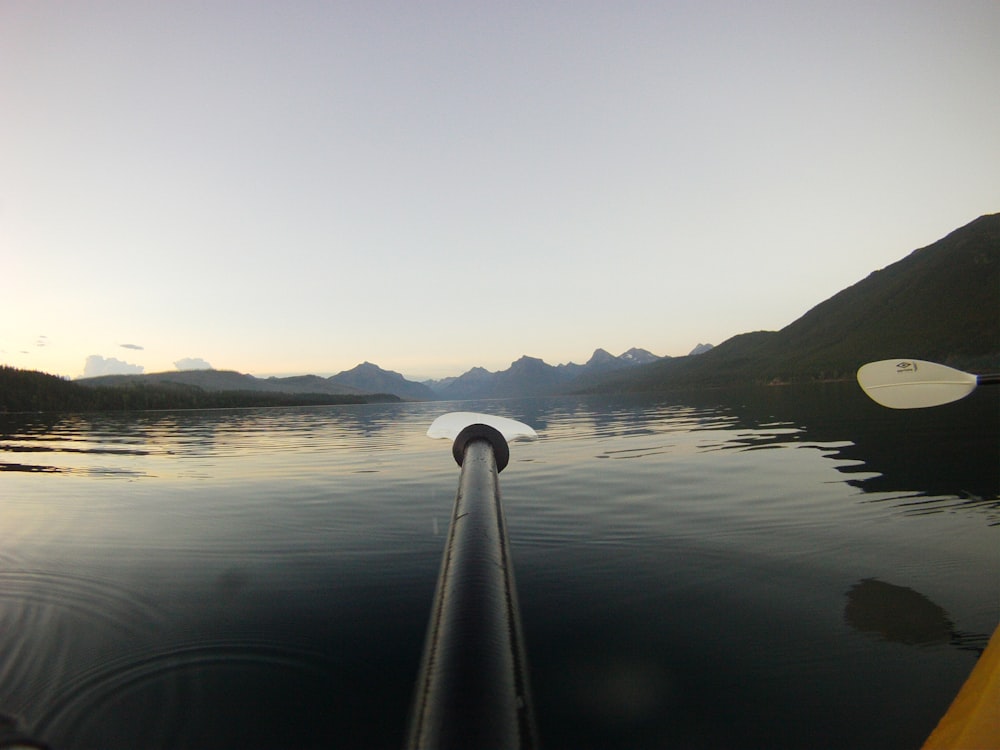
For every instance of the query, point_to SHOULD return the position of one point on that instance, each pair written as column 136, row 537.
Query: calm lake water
column 781, row 568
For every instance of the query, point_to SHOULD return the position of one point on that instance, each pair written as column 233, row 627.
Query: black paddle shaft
column 473, row 687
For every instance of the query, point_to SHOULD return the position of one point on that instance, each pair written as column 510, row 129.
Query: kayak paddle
column 472, row 691
column 915, row 384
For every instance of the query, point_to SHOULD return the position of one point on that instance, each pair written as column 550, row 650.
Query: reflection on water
column 931, row 460
column 902, row 615
column 262, row 577
column 921, row 461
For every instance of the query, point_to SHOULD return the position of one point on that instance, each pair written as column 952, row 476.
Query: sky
column 297, row 187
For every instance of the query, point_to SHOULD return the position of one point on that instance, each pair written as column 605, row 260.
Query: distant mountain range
column 530, row 376
column 941, row 302
column 527, row 376
column 370, row 378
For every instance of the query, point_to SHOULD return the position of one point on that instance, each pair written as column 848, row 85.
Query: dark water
column 782, row 568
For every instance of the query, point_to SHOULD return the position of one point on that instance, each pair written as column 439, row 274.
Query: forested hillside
column 940, row 303
column 29, row 390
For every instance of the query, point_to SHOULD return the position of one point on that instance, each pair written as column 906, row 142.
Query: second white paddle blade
column 913, row 383
column 449, row 425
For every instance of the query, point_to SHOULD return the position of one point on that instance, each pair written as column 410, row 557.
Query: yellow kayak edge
column 973, row 719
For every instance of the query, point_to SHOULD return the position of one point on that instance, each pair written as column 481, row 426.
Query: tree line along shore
column 33, row 391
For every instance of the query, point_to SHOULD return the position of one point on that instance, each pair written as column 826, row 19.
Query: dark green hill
column 226, row 380
column 29, row 390
column 941, row 303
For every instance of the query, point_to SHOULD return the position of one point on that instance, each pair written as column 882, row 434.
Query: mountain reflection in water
column 921, row 460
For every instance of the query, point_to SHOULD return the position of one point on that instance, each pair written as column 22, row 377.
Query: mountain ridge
column 531, row 376
column 368, row 377
column 938, row 302
column 525, row 376
column 228, row 380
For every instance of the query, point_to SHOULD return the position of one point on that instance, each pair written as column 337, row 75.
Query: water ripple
column 920, row 504
column 91, row 598
column 179, row 695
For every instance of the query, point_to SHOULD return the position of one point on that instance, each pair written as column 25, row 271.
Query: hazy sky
column 293, row 187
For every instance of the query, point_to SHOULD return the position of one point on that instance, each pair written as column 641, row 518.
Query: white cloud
column 98, row 365
column 192, row 363
column 132, row 346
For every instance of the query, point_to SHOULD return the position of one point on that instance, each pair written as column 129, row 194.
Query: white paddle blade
column 913, row 383
column 449, row 425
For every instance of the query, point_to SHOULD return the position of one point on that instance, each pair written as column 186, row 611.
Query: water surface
column 785, row 567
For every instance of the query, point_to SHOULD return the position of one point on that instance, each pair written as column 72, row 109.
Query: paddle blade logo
column 905, row 368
